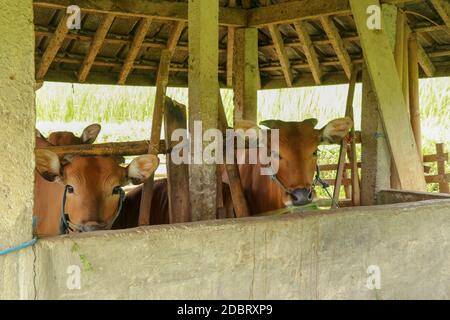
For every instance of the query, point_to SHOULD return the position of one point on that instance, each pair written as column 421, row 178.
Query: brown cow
column 92, row 184
column 297, row 161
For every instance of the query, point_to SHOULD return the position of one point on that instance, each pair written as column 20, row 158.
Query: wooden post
column 381, row 66
column 414, row 108
column 160, row 97
column 443, row 183
column 375, row 155
column 203, row 24
column 161, row 86
column 177, row 174
column 346, row 148
column 246, row 74
column 234, row 179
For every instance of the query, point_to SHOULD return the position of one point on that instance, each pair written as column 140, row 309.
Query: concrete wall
column 17, row 120
column 314, row 256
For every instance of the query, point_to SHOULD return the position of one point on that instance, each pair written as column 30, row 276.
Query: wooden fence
column 442, row 178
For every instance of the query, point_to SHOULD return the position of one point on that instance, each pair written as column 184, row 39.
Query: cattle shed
column 393, row 226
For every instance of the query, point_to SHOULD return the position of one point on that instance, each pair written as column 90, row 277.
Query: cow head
column 93, row 185
column 297, row 153
column 65, row 138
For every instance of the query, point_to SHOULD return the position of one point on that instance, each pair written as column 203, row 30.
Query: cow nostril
column 301, row 196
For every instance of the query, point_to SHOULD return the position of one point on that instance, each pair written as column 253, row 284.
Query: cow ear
column 48, row 164
column 272, row 124
column 141, row 168
column 335, row 130
column 90, row 133
column 312, row 122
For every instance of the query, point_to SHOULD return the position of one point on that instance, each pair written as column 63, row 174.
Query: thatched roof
column 60, row 55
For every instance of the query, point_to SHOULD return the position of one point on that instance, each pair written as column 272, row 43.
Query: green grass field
column 125, row 112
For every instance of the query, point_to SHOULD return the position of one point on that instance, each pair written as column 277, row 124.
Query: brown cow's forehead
column 298, row 136
column 94, row 170
column 63, row 138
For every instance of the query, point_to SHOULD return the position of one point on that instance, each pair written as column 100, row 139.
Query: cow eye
column 316, row 153
column 70, row 189
column 116, row 190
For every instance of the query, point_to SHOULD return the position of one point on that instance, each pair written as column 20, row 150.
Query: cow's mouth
column 301, row 196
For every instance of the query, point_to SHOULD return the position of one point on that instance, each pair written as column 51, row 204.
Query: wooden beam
column 414, row 107
column 375, row 155
column 158, row 111
column 164, row 10
column 387, row 86
column 134, row 49
column 308, row 49
column 288, row 12
column 440, row 153
column 346, row 148
column 162, row 80
column 232, row 171
column 338, row 45
column 281, row 53
column 246, row 74
column 230, row 50
column 157, row 43
column 95, row 47
column 203, row 102
column 391, row 196
column 177, row 174
column 175, row 34
column 443, row 9
column 52, row 49
column 425, row 61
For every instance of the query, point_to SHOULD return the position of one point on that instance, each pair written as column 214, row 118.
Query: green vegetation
column 125, row 112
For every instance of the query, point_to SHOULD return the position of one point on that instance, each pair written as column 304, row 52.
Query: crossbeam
column 163, row 10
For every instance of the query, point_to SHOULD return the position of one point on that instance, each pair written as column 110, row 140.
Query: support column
column 17, row 114
column 203, row 101
column 388, row 89
column 375, row 156
column 246, row 81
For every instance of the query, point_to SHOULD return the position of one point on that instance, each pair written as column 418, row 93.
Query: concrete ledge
column 297, row 256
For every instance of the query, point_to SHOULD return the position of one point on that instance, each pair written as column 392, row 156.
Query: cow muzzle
column 301, row 196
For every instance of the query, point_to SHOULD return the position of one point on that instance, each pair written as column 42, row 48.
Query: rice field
column 125, row 112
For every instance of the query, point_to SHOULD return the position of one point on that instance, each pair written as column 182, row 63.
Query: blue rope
column 18, row 247
column 22, row 245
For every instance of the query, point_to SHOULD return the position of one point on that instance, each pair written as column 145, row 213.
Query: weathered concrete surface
column 17, row 119
column 314, row 256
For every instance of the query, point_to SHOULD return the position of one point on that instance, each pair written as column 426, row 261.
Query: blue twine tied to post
column 22, row 245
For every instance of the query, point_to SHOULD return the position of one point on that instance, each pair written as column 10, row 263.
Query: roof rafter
column 52, row 49
column 443, row 9
column 95, row 47
column 309, row 50
column 281, row 53
column 338, row 45
column 288, row 12
column 135, row 47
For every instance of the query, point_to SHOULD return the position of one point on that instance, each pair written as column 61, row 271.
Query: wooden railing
column 442, row 178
